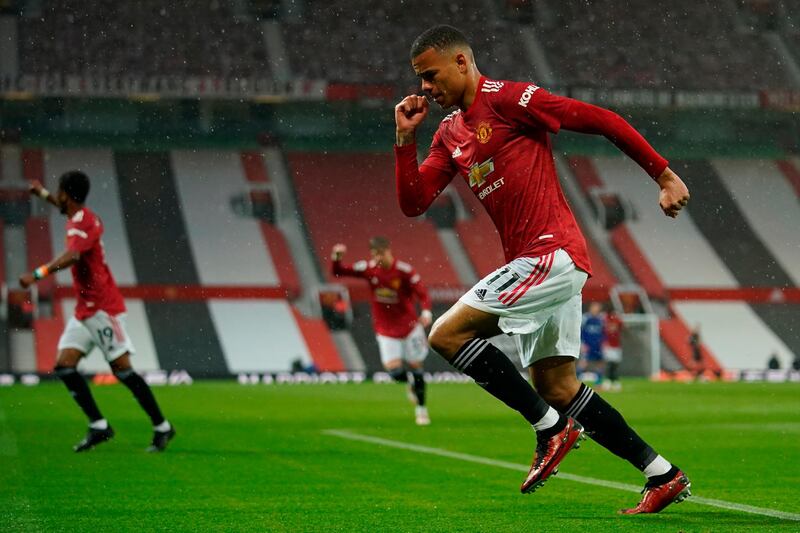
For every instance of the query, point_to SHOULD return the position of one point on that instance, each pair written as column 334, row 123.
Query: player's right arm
column 340, row 269
column 65, row 260
column 417, row 186
column 37, row 189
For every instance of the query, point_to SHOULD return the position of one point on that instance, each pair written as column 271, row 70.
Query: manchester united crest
column 483, row 132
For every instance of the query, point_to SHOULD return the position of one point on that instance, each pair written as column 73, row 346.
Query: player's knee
column 441, row 339
column 399, row 374
column 123, row 374
column 63, row 370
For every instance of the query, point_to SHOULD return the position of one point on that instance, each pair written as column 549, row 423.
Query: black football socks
column 418, row 385
column 141, row 391
column 607, row 427
column 399, row 374
column 77, row 386
column 495, row 372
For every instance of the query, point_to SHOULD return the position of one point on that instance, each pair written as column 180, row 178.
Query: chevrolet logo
column 478, row 172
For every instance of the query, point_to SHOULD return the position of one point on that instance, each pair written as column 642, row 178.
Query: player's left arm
column 421, row 292
column 588, row 118
column 532, row 106
column 65, row 260
column 80, row 238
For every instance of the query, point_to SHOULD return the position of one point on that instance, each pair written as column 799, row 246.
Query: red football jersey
column 93, row 281
column 501, row 147
column 393, row 290
column 613, row 327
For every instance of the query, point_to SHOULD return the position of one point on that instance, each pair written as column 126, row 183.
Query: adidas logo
column 457, row 152
column 480, row 293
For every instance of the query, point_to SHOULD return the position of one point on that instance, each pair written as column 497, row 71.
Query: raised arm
column 586, row 118
column 417, row 186
column 37, row 189
column 340, row 269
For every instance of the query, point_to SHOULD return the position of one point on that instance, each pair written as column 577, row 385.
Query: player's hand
column 26, row 280
column 408, row 115
column 674, row 194
column 338, row 251
column 36, row 188
column 425, row 318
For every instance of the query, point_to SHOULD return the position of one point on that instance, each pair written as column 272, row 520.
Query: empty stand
column 678, row 252
column 228, row 249
column 350, row 198
column 183, row 332
column 146, row 38
column 727, row 229
column 790, row 170
column 637, row 262
column 675, row 334
column 769, row 204
column 258, row 335
column 681, row 44
column 357, row 44
column 734, row 333
column 11, row 165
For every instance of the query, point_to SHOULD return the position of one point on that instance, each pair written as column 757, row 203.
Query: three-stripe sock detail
column 579, row 402
column 497, row 375
column 608, row 428
column 468, row 352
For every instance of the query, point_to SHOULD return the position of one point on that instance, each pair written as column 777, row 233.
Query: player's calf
column 609, row 429
column 418, row 385
column 79, row 389
column 162, row 429
column 398, row 373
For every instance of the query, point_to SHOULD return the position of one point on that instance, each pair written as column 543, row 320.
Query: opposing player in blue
column 592, row 338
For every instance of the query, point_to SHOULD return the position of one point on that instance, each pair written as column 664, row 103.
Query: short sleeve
column 528, row 105
column 81, row 236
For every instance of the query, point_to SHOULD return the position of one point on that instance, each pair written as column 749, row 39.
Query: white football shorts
column 538, row 300
column 412, row 349
column 100, row 330
column 612, row 355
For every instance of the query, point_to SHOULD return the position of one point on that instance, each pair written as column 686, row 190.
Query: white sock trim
column 548, row 420
column 99, row 424
column 658, row 467
column 163, row 426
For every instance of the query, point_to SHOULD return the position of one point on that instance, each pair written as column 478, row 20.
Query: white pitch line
column 730, row 506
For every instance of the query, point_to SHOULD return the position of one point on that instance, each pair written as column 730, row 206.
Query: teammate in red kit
column 612, row 349
column 498, row 140
column 400, row 332
column 99, row 319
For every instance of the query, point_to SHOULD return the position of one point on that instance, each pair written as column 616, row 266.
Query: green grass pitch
column 258, row 458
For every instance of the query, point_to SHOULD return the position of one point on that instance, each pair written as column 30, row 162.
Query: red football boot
column 549, row 454
column 656, row 497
